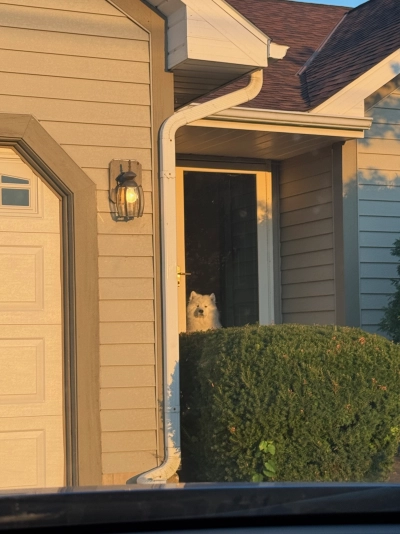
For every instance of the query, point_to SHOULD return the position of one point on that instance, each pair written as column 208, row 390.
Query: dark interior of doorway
column 221, row 242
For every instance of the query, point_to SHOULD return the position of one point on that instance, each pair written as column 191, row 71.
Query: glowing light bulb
column 131, row 195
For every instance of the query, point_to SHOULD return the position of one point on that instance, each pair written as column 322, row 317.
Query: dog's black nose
column 200, row 310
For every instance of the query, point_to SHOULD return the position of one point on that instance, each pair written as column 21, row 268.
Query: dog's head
column 201, row 305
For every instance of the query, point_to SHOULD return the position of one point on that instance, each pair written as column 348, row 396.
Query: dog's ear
column 192, row 295
column 213, row 299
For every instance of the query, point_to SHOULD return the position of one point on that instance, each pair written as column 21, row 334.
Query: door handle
column 179, row 274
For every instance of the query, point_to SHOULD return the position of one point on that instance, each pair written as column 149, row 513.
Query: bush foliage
column 391, row 319
column 327, row 398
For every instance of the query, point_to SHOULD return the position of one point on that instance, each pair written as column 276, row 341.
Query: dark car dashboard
column 271, row 508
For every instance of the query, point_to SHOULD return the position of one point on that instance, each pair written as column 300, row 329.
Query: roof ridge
column 302, row 71
column 361, row 5
column 321, row 46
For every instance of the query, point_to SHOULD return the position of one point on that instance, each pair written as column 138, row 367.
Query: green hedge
column 390, row 322
column 328, row 398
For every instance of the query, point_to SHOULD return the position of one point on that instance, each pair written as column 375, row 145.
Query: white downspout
column 168, row 255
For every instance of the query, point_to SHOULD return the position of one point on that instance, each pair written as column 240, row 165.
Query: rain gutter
column 274, row 120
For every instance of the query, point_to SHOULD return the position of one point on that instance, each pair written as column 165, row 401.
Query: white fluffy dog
column 202, row 313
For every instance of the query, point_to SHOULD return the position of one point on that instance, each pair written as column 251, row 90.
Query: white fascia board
column 350, row 100
column 211, row 30
column 287, row 122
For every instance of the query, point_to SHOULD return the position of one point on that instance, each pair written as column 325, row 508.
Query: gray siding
column 379, row 208
column 83, row 70
column 306, row 235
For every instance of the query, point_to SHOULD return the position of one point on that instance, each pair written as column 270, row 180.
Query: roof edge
column 350, row 100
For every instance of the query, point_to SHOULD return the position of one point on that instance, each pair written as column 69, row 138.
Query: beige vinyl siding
column 379, row 212
column 306, row 239
column 83, row 70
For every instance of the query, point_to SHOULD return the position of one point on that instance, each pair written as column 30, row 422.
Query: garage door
column 31, row 359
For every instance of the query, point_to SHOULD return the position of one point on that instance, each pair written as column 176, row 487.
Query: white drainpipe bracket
column 160, row 475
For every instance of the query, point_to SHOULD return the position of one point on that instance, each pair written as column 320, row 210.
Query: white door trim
column 265, row 248
column 180, row 248
column 264, row 241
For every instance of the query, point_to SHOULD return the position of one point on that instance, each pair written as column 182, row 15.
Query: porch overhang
column 211, row 44
column 266, row 134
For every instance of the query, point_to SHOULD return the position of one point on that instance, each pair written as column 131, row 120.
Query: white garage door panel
column 25, row 444
column 31, row 344
column 22, row 278
column 31, row 287
column 18, row 448
column 31, row 372
column 21, row 371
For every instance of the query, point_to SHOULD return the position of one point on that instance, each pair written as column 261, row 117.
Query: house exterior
column 336, row 64
column 291, row 154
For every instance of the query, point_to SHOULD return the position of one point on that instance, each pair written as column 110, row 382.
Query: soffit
column 211, row 44
column 233, row 143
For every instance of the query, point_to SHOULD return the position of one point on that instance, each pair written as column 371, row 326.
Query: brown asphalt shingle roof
column 367, row 35
column 360, row 40
column 301, row 26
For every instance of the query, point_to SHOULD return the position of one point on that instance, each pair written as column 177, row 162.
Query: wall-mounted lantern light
column 125, row 189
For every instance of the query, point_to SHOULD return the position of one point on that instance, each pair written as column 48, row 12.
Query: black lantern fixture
column 127, row 197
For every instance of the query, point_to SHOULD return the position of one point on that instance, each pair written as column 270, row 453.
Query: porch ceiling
column 266, row 134
column 248, row 144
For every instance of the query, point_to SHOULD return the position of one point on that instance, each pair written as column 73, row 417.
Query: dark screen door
column 221, row 242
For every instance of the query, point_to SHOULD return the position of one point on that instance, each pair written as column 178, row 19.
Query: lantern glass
column 129, row 199
column 121, row 207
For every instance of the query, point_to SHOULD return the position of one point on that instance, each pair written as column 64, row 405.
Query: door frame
column 265, row 246
column 79, row 289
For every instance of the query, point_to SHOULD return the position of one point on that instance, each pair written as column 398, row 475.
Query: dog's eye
column 205, row 306
column 198, row 305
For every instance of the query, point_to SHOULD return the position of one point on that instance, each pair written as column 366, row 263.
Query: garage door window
column 20, row 189
column 14, row 192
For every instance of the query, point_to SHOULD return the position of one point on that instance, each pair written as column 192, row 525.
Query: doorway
column 224, row 233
